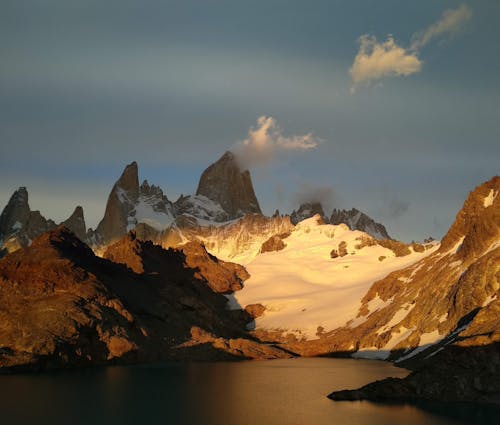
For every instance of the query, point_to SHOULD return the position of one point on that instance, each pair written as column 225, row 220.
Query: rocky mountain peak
column 16, row 214
column 225, row 183
column 357, row 220
column 18, row 224
column 129, row 181
column 130, row 204
column 76, row 223
column 477, row 224
column 307, row 210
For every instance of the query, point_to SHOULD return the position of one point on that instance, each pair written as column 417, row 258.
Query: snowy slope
column 302, row 287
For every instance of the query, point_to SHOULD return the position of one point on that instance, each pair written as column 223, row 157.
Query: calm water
column 284, row 392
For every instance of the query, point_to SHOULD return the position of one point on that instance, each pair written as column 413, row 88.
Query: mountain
column 76, row 223
column 63, row 306
column 313, row 278
column 441, row 317
column 357, row 220
column 308, row 210
column 226, row 184
column 18, row 224
column 449, row 297
column 130, row 204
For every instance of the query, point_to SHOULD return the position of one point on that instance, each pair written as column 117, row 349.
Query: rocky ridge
column 63, row 306
column 357, row 220
column 19, row 226
column 308, row 210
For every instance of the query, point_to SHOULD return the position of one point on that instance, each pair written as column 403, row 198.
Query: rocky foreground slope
column 61, row 306
column 441, row 316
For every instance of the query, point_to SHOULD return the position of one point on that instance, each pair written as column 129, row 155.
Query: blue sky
column 86, row 87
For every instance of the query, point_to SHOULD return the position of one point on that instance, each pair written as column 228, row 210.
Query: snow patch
column 488, row 200
column 17, row 225
column 489, row 300
column 145, row 213
column 396, row 337
column 397, row 318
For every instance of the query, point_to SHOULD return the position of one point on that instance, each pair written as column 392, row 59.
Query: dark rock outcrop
column 76, row 223
column 225, row 183
column 308, row 210
column 357, row 220
column 19, row 225
column 456, row 374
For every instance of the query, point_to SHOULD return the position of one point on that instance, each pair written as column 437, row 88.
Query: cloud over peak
column 377, row 60
column 267, row 139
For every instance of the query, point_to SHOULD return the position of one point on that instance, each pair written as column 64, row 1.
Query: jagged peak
column 129, row 179
column 224, row 182
column 76, row 223
column 477, row 224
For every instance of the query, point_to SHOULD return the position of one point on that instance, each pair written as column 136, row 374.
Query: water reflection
column 248, row 393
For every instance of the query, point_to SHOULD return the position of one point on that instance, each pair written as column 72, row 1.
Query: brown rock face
column 274, row 243
column 121, row 202
column 62, row 306
column 235, row 347
column 145, row 257
column 478, row 222
column 223, row 182
column 255, row 310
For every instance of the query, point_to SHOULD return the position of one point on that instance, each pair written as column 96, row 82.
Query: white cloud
column 376, row 60
column 266, row 139
column 451, row 22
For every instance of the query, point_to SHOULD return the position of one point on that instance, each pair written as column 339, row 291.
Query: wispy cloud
column 450, row 23
column 267, row 139
column 376, row 60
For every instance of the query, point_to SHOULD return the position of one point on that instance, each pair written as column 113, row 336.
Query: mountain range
column 154, row 279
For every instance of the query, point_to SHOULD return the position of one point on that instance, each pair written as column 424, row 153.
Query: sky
column 387, row 106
